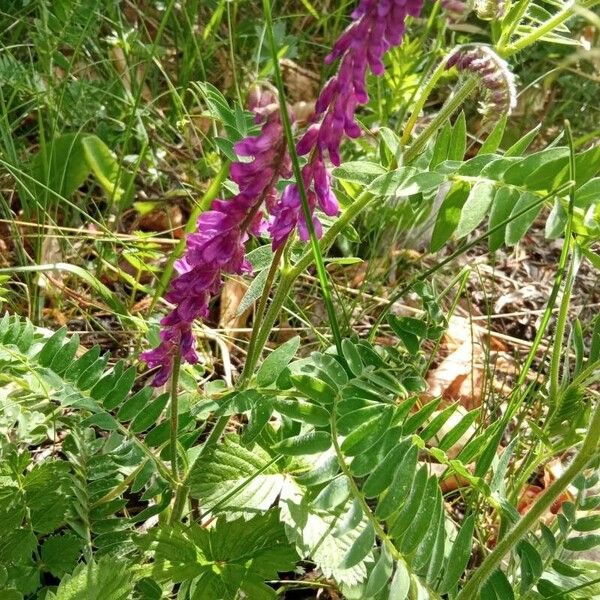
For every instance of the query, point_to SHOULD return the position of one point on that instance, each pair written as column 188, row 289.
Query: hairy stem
column 174, row 418
column 314, row 242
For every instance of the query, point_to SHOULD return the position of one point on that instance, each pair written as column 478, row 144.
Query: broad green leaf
column 522, row 172
column 459, row 555
column 325, row 469
column 583, row 542
column 260, row 413
column 313, row 388
column 452, row 436
column 276, row 362
column 368, row 433
column 51, row 347
column 440, row 148
column 557, row 221
column 475, row 208
column 312, row 442
column 426, row 545
column 135, row 404
column 350, row 519
column 422, row 415
column 235, row 480
column 60, row 166
column 60, row 553
column 408, row 510
column 394, row 183
column 349, row 421
column 418, row 527
column 314, row 534
column 108, row 578
column 531, row 565
column 149, row 415
column 503, row 204
column 352, row 357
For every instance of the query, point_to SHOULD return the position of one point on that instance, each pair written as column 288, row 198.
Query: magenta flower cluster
column 218, row 246
column 377, row 26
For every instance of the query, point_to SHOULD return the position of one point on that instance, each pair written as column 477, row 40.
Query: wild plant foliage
column 330, row 460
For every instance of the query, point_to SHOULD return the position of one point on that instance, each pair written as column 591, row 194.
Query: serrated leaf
column 241, row 480
column 60, row 553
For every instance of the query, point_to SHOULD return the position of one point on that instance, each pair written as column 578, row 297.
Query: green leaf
column 503, row 204
column 531, row 565
column 449, row 215
column 135, row 404
column 149, row 415
column 518, row 227
column 60, row 553
column 314, row 535
column 276, row 362
column 362, row 172
column 260, row 413
column 240, row 480
column 522, row 144
column 417, row 528
column 253, row 293
column 400, row 485
column 360, row 549
column 51, row 347
column 400, row 585
column 583, row 542
column 352, row 357
column 475, row 208
column 587, row 523
column 333, row 494
column 103, row 164
column 383, row 474
column 313, row 388
column 523, row 171
column 301, row 411
column 312, row 442
column 60, row 166
column 395, row 183
column 452, row 436
column 493, row 141
column 380, row 574
column 458, row 140
column 459, row 556
column 109, row 578
column 440, row 148
column 368, row 433
column 557, row 221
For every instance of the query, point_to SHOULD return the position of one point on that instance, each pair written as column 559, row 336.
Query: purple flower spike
column 377, row 26
column 218, row 245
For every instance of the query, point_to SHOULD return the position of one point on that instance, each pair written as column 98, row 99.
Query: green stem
column 532, row 37
column 260, row 311
column 422, row 98
column 291, row 274
column 544, row 502
column 314, row 242
column 440, row 118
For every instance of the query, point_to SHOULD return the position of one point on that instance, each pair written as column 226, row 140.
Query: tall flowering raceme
column 218, row 246
column 377, row 26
